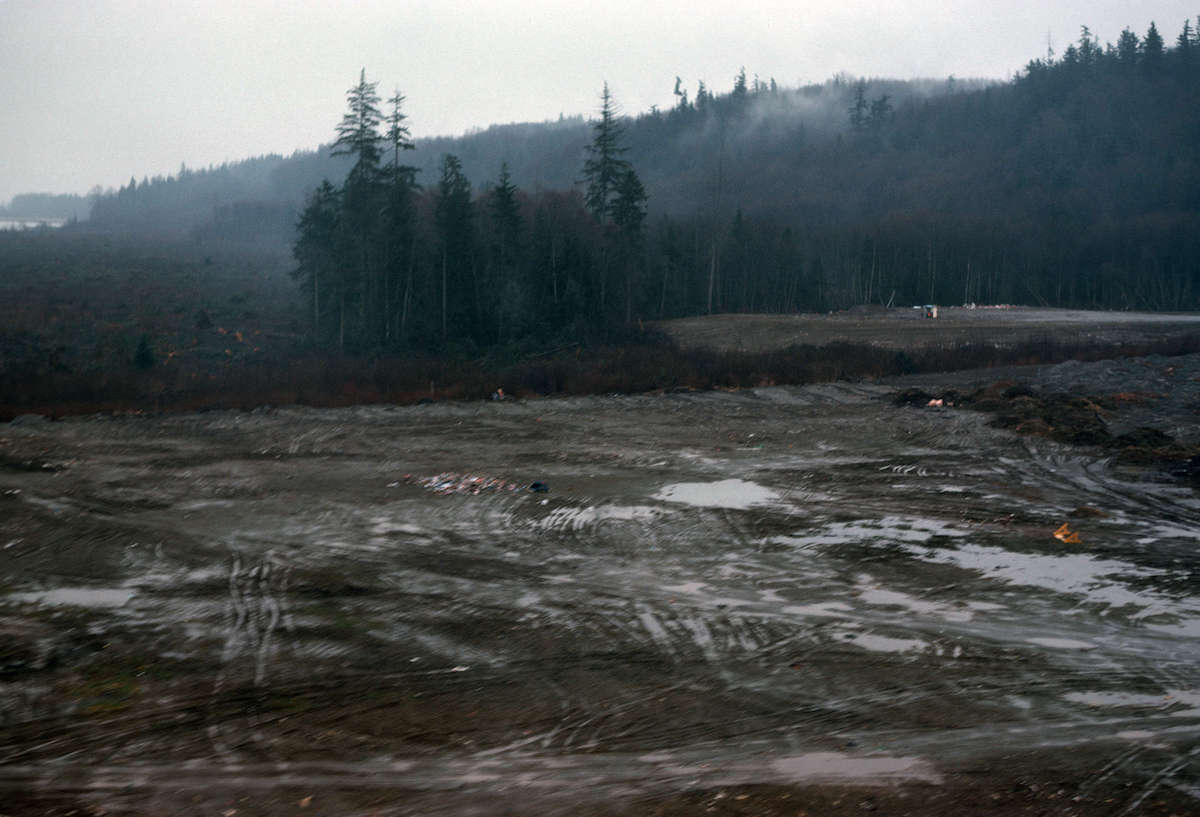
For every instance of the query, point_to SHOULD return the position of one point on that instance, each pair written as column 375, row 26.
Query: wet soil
column 907, row 328
column 775, row 601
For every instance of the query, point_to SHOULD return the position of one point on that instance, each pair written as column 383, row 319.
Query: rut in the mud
column 770, row 592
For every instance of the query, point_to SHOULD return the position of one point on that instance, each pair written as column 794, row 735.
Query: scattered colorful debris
column 1066, row 535
column 451, row 483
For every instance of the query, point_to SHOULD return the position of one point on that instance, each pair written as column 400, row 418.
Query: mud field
column 907, row 328
column 799, row 601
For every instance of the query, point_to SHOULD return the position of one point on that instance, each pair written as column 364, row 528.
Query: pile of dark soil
column 1067, row 418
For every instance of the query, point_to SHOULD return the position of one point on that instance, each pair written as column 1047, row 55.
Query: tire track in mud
column 589, row 628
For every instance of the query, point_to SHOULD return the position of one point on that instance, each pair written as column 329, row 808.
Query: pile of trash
column 449, row 482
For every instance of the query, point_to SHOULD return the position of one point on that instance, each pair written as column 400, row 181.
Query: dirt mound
column 1068, row 418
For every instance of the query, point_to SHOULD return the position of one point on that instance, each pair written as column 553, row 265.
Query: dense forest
column 33, row 206
column 1076, row 183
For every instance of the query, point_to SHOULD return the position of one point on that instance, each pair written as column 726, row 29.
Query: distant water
column 30, row 223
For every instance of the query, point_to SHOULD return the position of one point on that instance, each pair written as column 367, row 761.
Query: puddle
column 882, row 643
column 828, row 609
column 736, row 494
column 1062, row 643
column 831, row 766
column 897, row 529
column 1093, row 579
column 101, row 597
column 1169, row 702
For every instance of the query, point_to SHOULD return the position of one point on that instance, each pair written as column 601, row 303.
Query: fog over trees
column 1076, row 183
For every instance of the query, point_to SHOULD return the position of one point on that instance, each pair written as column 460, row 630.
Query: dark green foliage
column 46, row 205
column 604, row 167
column 143, row 358
column 356, row 245
column 358, row 133
column 1128, row 48
column 459, row 295
column 1152, row 50
column 629, row 207
column 506, row 215
column 858, row 108
column 316, row 252
column 1075, row 184
column 73, row 306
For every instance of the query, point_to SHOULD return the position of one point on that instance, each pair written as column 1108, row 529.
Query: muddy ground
column 907, row 328
column 799, row 601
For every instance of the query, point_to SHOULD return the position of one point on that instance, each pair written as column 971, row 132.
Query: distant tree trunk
column 712, row 274
column 662, row 298
column 478, row 328
column 443, row 293
column 932, row 273
column 412, row 255
column 316, row 306
column 603, row 279
column 629, row 297
column 554, row 267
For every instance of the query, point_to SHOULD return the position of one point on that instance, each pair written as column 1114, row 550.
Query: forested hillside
column 1075, row 183
column 65, row 206
column 680, row 150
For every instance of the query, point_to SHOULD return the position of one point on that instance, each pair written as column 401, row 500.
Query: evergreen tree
column 739, row 85
column 629, row 206
column 859, row 107
column 1128, row 47
column 506, row 213
column 877, row 117
column 399, row 137
column 143, row 357
column 364, row 267
column 1089, row 47
column 1152, row 49
column 628, row 215
column 1185, row 45
column 453, row 211
column 316, row 252
column 604, row 167
column 399, row 228
column 358, row 132
column 507, row 287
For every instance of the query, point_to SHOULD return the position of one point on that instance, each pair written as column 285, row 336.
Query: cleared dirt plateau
column 776, row 601
column 907, row 328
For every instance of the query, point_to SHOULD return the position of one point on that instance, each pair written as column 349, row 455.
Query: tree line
column 387, row 263
column 1076, row 183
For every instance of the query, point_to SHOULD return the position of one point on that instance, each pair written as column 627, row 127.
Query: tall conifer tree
column 604, row 167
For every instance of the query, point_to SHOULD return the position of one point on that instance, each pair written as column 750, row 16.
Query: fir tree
column 604, row 167
column 629, row 206
column 859, row 107
column 506, row 213
column 453, row 212
column 358, row 132
column 315, row 251
column 1152, row 49
column 1128, row 47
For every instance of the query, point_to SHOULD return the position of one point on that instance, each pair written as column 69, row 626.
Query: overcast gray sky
column 95, row 91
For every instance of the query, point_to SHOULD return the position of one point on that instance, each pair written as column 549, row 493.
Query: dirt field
column 907, row 328
column 782, row 601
